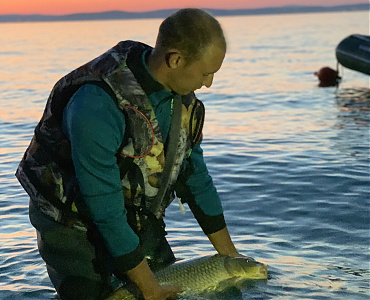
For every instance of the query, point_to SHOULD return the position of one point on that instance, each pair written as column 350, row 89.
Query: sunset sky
column 60, row 7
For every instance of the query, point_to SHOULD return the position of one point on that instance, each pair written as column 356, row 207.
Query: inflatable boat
column 353, row 52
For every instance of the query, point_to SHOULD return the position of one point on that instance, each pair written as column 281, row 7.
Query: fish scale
column 211, row 270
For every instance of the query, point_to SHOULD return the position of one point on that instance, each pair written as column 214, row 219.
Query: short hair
column 191, row 31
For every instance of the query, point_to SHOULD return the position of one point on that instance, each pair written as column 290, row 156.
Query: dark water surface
column 290, row 160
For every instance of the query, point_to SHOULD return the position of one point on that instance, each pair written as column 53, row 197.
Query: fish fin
column 226, row 284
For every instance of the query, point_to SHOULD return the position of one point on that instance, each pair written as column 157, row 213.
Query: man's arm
column 95, row 128
column 223, row 244
column 201, row 195
column 144, row 279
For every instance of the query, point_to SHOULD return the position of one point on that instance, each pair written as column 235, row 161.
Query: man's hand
column 144, row 279
column 237, row 254
column 222, row 242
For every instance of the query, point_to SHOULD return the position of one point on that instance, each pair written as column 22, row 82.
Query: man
column 119, row 136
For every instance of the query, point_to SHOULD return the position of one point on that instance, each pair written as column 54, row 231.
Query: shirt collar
column 136, row 61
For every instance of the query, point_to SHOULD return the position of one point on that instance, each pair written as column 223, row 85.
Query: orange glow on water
column 16, row 234
column 21, row 114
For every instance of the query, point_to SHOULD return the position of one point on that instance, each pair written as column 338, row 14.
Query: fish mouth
column 263, row 271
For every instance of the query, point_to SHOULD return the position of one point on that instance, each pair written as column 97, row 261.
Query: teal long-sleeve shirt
column 95, row 126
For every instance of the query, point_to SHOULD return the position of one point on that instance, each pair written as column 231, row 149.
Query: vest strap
column 173, row 141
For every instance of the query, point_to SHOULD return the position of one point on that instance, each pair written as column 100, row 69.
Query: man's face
column 186, row 78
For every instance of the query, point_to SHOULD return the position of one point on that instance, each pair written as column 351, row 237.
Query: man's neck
column 156, row 66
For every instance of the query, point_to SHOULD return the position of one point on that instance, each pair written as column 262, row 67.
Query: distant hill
column 119, row 15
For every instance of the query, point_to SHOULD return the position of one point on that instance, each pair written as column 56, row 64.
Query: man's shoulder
column 92, row 96
column 130, row 44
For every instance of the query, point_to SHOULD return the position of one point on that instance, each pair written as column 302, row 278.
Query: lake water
column 290, row 160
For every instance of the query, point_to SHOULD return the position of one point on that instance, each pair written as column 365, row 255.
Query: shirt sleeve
column 95, row 127
column 195, row 186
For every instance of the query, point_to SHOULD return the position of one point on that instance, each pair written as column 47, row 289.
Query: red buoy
column 328, row 77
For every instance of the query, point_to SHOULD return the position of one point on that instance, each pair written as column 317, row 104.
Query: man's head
column 191, row 46
column 191, row 31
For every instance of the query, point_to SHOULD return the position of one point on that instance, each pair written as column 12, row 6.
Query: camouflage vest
column 46, row 171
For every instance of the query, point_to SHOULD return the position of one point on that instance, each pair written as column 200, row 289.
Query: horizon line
column 164, row 13
column 204, row 8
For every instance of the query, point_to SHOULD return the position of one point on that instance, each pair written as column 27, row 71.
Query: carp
column 208, row 273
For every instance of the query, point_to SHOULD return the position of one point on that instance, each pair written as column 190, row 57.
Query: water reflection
column 353, row 99
column 353, row 121
column 298, row 273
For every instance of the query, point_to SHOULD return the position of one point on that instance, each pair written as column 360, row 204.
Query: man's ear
column 174, row 59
